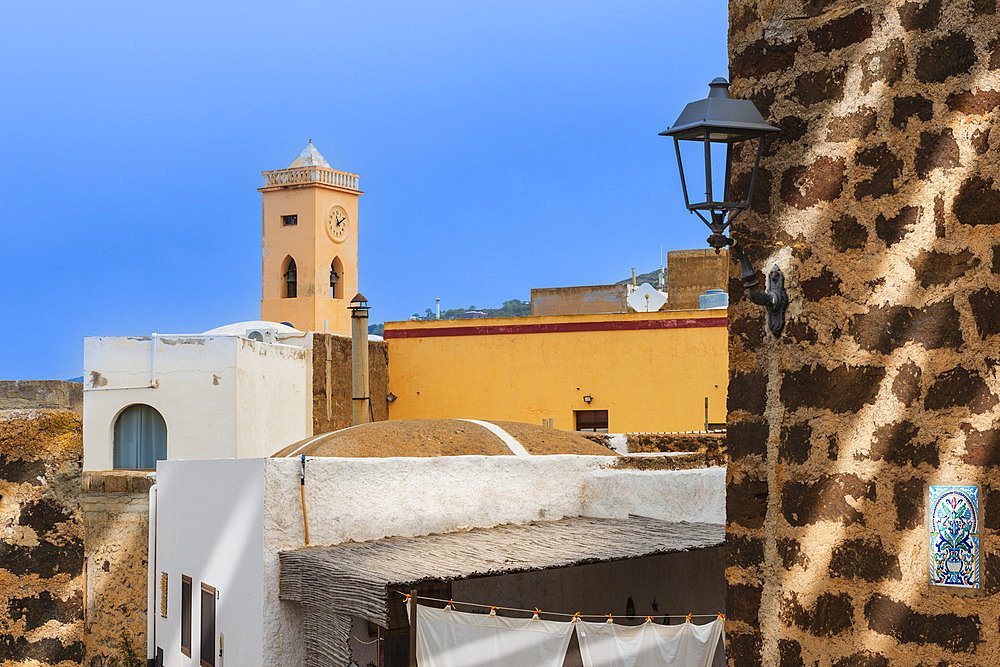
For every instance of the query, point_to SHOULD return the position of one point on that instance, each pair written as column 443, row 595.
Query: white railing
column 299, row 175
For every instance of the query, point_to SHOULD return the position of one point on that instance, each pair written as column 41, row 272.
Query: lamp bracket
column 774, row 298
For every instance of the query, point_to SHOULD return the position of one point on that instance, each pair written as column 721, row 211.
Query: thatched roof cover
column 353, row 579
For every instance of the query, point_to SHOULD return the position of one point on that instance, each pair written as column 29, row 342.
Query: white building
column 221, row 527
column 229, row 392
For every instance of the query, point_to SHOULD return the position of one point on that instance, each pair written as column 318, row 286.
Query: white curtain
column 447, row 638
column 649, row 644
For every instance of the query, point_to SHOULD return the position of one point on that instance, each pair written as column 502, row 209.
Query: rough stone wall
column 711, row 444
column 36, row 394
column 691, row 272
column 41, row 538
column 332, row 381
column 116, row 541
column 879, row 200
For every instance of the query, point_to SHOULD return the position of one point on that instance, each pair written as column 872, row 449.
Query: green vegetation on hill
column 511, row 308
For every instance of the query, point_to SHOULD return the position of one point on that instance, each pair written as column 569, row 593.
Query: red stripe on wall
column 557, row 327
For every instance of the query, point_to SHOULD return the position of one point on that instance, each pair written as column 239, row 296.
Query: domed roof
column 444, row 437
column 240, row 328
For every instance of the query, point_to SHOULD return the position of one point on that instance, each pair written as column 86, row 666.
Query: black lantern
column 720, row 123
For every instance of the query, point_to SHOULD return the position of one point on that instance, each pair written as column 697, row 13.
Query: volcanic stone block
column 747, row 391
column 886, row 65
column 831, row 615
column 746, row 503
column 920, row 15
column 937, row 150
column 844, row 31
column 819, row 181
column 823, row 85
column 821, row 286
column 795, row 442
column 895, row 443
column 960, row 387
column 744, row 550
column 940, row 268
column 825, row 499
column 985, row 305
column 893, row 230
column 886, row 328
column 886, row 166
column 977, row 203
column 974, row 102
column 743, row 603
column 840, row 389
column 944, row 57
column 906, row 386
column 908, row 497
column 982, row 448
column 762, row 57
column 895, row 619
column 848, row 234
column 743, row 649
column 746, row 437
column 904, row 108
column 789, row 653
column 790, row 553
column 864, row 559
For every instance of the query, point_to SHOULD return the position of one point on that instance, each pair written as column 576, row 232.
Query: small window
column 186, row 615
column 595, row 421
column 207, row 626
column 289, row 220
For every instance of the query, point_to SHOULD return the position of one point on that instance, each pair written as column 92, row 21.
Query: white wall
column 229, row 519
column 210, row 527
column 220, row 396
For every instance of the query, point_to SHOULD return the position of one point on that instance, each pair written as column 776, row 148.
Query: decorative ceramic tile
column 954, row 527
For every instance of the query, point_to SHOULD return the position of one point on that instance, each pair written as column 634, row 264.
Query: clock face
column 337, row 224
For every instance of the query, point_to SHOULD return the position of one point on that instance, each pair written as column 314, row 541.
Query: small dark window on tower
column 291, row 282
column 592, row 420
column 289, row 220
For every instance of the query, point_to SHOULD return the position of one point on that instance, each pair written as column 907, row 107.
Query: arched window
column 140, row 438
column 336, row 279
column 291, row 281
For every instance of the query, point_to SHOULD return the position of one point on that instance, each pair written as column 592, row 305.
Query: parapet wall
column 879, row 200
column 41, row 535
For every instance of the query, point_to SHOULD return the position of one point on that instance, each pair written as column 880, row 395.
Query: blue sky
column 501, row 146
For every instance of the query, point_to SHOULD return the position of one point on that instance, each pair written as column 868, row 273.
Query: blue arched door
column 140, row 438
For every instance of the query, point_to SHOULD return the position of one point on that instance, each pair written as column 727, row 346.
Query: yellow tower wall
column 650, row 371
column 313, row 251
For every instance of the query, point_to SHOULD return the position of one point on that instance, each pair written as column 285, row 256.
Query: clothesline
column 552, row 613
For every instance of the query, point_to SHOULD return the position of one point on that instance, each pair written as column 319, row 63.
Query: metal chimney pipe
column 360, row 394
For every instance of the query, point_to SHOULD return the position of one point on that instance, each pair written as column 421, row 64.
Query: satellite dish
column 646, row 299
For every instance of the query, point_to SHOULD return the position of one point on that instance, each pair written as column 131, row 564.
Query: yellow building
column 310, row 253
column 619, row 372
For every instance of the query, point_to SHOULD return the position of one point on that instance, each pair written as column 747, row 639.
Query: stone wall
column 690, row 273
column 41, row 536
column 332, row 381
column 115, row 508
column 710, row 444
column 878, row 200
column 35, row 394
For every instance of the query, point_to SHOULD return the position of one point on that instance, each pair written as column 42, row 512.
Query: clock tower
column 310, row 253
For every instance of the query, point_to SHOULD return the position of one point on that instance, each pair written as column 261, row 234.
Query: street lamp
column 720, row 122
